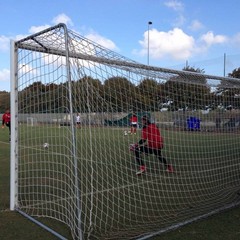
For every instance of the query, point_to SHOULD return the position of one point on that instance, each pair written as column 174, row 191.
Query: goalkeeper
column 6, row 120
column 151, row 142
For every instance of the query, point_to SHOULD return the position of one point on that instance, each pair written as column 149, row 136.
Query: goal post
column 18, row 87
column 13, row 149
column 86, row 176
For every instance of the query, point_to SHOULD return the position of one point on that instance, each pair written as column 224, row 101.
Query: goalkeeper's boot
column 142, row 170
column 169, row 169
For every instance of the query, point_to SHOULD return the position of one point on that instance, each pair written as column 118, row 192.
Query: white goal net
column 81, row 171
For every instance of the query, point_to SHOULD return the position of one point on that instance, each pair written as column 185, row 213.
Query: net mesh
column 86, row 177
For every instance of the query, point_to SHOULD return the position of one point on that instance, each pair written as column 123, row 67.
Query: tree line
column 118, row 94
column 4, row 101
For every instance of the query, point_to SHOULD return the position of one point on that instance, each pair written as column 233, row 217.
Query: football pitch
column 206, row 177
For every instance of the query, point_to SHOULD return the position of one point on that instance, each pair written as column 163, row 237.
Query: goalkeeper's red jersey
column 152, row 134
column 6, row 118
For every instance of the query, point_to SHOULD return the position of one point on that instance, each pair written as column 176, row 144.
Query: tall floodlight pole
column 224, row 64
column 149, row 23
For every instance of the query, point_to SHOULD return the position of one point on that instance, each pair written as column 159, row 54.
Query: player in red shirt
column 6, row 120
column 152, row 136
column 133, row 123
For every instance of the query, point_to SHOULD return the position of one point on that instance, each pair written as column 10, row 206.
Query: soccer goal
column 86, row 177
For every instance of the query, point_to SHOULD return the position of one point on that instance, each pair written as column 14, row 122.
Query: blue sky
column 182, row 31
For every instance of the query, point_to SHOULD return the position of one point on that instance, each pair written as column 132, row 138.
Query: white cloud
column 178, row 7
column 196, row 25
column 175, row 5
column 107, row 43
column 174, row 44
column 62, row 18
column 177, row 45
column 209, row 38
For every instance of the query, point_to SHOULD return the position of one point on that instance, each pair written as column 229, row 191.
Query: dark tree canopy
column 118, row 94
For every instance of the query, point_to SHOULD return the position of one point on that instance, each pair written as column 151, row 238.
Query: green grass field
column 112, row 175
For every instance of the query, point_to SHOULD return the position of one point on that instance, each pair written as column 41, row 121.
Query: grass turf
column 191, row 146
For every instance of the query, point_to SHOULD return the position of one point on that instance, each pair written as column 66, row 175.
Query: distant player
column 78, row 121
column 151, row 142
column 6, row 120
column 133, row 124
